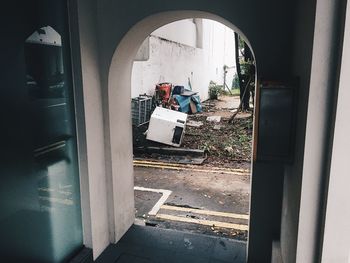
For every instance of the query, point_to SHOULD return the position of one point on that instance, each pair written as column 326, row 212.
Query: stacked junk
column 165, row 113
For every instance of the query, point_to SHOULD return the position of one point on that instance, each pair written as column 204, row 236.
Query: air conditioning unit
column 140, row 110
column 167, row 126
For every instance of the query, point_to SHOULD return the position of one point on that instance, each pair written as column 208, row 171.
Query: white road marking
column 161, row 201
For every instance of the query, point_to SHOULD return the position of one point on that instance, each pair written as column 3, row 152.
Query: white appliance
column 167, row 126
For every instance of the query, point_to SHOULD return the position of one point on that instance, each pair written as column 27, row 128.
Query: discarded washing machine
column 167, row 126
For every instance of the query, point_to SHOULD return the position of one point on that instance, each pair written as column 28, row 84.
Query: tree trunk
column 238, row 67
column 247, row 75
column 247, row 53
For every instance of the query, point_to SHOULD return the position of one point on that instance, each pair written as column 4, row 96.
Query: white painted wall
column 336, row 240
column 183, row 31
column 318, row 130
column 97, row 188
column 178, row 59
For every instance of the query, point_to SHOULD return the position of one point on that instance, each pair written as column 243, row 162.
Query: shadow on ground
column 147, row 244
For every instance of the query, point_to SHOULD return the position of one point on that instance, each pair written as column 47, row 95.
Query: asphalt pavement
column 201, row 200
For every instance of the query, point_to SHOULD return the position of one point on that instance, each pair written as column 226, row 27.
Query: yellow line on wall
column 205, row 212
column 188, row 169
column 203, row 222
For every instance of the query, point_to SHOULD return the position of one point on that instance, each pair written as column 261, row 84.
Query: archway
column 119, row 113
column 186, row 186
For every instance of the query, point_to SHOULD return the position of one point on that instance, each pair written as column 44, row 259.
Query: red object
column 164, row 91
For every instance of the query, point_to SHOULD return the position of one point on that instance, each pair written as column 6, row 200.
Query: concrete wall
column 177, row 60
column 319, row 128
column 94, row 126
column 336, row 241
column 219, row 43
column 183, row 32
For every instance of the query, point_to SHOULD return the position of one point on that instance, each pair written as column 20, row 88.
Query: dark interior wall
column 302, row 58
column 269, row 27
column 265, row 210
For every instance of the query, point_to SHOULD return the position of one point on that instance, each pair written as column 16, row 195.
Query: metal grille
column 141, row 110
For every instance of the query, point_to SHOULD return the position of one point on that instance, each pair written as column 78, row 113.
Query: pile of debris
column 169, row 121
column 226, row 144
column 177, row 98
column 166, row 112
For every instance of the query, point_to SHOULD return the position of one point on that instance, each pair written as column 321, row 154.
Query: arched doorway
column 272, row 44
column 119, row 114
column 209, row 169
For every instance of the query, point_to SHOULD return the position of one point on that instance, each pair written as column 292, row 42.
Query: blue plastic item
column 197, row 101
column 184, row 103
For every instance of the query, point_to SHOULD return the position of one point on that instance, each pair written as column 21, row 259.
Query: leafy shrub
column 214, row 90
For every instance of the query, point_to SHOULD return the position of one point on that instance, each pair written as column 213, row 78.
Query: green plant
column 206, row 147
column 243, row 138
column 247, row 67
column 214, row 90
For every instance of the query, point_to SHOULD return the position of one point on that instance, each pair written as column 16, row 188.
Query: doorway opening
column 192, row 101
column 121, row 148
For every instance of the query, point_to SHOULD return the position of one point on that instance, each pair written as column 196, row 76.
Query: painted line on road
column 203, row 222
column 205, row 212
column 237, row 170
column 188, row 169
column 190, row 165
column 161, row 201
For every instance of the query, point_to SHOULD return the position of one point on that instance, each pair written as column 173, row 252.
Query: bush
column 214, row 90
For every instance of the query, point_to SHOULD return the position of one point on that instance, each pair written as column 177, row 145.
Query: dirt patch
column 226, row 102
column 227, row 144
